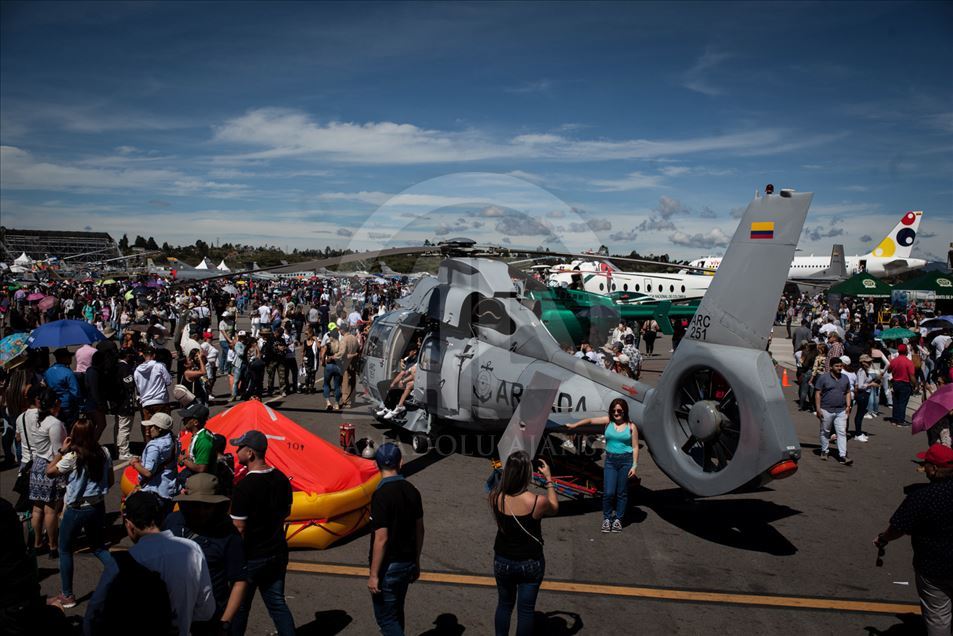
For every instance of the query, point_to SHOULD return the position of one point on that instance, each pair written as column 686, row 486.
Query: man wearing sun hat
column 927, row 516
column 203, row 518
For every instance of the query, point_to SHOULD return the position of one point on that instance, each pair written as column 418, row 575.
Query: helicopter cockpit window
column 491, row 313
column 377, row 340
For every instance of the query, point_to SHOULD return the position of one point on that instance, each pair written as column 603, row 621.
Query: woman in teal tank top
column 622, row 460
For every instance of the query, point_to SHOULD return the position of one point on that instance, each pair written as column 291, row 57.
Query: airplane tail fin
column 838, row 266
column 899, row 243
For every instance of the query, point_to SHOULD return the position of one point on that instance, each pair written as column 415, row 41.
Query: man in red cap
column 927, row 516
column 903, row 375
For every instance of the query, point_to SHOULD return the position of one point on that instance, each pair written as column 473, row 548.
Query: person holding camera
column 519, row 564
column 87, row 468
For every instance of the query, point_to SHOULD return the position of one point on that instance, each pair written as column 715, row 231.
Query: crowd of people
column 847, row 368
column 175, row 350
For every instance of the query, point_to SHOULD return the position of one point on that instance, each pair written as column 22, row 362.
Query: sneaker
column 606, row 526
column 824, row 455
column 392, row 414
column 861, row 438
column 868, row 416
column 381, row 411
column 62, row 600
column 616, row 525
column 846, row 461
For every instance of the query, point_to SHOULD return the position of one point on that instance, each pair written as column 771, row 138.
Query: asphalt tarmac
column 794, row 557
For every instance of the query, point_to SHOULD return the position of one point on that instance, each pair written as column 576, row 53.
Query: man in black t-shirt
column 260, row 503
column 927, row 516
column 397, row 520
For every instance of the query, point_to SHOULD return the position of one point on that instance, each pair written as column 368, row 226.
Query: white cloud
column 535, row 86
column 376, row 198
column 707, row 240
column 20, row 170
column 629, row 235
column 593, row 225
column 668, row 207
column 276, row 133
column 698, row 77
column 632, row 181
column 707, row 213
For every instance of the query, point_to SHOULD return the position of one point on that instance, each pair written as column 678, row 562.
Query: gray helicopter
column 717, row 419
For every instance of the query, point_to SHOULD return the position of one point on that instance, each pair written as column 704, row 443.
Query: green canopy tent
column 862, row 285
column 939, row 283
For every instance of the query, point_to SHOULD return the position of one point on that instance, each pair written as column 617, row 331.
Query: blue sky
column 641, row 126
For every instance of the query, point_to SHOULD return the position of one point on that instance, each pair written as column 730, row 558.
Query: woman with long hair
column 518, row 563
column 621, row 463
column 88, row 469
column 44, row 433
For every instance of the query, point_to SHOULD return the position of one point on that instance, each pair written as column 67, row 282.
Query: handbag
column 22, row 485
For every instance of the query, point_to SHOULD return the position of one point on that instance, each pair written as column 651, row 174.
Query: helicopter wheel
column 420, row 442
column 709, row 424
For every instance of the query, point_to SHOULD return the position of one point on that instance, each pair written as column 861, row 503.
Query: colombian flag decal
column 762, row 230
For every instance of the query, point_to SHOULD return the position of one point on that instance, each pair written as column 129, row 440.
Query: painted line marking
column 690, row 596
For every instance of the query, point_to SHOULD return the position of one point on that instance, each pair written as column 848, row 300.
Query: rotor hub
column 705, row 420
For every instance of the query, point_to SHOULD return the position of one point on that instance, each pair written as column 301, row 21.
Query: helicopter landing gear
column 420, row 442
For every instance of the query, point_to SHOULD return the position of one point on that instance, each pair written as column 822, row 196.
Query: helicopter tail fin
column 739, row 307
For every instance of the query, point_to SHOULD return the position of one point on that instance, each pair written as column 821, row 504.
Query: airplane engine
column 713, row 421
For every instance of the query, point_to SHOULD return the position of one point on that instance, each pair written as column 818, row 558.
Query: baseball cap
column 388, row 456
column 938, row 455
column 253, row 439
column 196, row 410
column 332, row 326
column 845, row 359
column 902, row 348
column 202, row 487
column 866, row 358
column 62, row 352
column 162, row 420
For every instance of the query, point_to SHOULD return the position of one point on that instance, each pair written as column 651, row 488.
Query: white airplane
column 890, row 257
column 602, row 277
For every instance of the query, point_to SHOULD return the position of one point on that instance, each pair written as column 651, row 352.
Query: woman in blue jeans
column 90, row 475
column 622, row 460
column 518, row 564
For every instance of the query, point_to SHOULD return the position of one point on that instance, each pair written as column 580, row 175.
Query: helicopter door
column 375, row 363
column 438, row 373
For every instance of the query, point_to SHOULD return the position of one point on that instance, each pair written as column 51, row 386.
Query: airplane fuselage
column 598, row 279
column 805, row 266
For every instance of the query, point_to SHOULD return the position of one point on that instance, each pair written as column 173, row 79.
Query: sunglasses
column 618, row 411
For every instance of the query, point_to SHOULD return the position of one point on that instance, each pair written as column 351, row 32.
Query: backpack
column 137, row 596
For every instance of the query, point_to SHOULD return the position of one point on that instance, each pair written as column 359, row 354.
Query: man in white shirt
column 941, row 343
column 180, row 563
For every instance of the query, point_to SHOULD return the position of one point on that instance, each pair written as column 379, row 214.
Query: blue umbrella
column 63, row 333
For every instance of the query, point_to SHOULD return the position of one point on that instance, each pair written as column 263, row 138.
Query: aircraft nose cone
column 704, row 419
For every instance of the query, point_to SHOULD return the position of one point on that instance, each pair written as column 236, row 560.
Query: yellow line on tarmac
column 689, row 596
